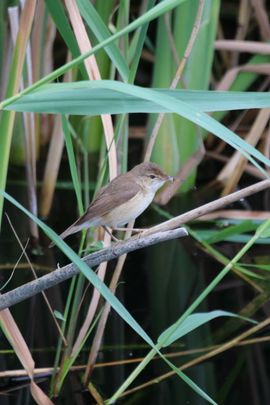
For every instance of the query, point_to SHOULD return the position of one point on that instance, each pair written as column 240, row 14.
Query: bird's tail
column 73, row 228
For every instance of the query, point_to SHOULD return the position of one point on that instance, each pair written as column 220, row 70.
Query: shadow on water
column 157, row 285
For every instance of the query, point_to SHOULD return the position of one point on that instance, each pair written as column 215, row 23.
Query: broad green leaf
column 168, row 103
column 192, row 322
column 95, row 98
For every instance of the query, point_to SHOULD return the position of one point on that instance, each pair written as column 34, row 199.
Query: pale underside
column 115, row 205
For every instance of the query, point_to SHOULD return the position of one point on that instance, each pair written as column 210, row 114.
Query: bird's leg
column 136, row 230
column 110, row 233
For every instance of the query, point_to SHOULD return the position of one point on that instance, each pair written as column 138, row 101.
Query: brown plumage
column 121, row 200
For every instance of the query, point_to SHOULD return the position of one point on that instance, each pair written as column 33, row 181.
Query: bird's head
column 150, row 176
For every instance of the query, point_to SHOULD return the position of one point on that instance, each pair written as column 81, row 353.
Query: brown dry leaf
column 16, row 340
column 52, row 167
column 39, row 396
column 229, row 77
column 262, row 18
column 255, row 47
column 21, row 349
column 232, row 171
column 92, row 307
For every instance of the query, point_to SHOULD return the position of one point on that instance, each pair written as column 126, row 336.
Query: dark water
column 157, row 285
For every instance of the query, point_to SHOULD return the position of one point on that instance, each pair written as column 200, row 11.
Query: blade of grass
column 193, row 322
column 57, row 12
column 95, row 23
column 137, row 43
column 72, row 164
column 67, row 363
column 208, row 234
column 222, row 234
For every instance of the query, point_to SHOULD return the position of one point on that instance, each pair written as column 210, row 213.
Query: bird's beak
column 170, row 178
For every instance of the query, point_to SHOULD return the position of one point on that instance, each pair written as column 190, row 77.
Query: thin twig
column 15, row 266
column 35, row 276
column 176, row 79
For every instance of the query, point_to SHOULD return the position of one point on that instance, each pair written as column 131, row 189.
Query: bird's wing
column 118, row 192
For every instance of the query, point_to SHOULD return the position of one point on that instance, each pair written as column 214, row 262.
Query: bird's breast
column 129, row 210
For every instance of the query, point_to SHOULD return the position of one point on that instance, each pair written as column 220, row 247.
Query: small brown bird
column 123, row 199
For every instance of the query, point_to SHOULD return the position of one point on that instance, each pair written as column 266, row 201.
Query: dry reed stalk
column 233, row 170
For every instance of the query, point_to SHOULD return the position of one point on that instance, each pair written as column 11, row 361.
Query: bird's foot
column 111, row 234
column 135, row 230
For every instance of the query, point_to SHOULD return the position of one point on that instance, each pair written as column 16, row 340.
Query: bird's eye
column 152, row 176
